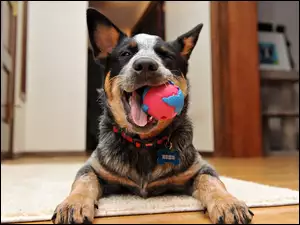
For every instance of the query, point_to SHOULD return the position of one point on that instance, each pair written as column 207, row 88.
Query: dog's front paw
column 229, row 211
column 75, row 209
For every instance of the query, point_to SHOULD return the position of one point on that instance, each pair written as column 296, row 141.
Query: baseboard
column 206, row 154
column 65, row 154
column 51, row 154
column 6, row 155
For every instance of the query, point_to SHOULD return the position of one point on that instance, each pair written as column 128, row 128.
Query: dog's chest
column 147, row 173
column 153, row 182
column 143, row 174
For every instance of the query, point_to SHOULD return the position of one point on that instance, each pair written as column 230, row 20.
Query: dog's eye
column 165, row 54
column 126, row 53
column 169, row 56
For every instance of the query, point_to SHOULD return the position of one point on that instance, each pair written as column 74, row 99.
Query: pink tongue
column 137, row 114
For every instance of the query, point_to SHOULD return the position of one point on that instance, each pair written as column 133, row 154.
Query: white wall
column 55, row 116
column 286, row 13
column 181, row 17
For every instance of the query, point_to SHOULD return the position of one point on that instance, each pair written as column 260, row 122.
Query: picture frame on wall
column 273, row 52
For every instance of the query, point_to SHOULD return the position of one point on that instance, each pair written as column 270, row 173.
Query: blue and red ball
column 163, row 102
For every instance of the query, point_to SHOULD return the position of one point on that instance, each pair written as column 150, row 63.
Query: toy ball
column 163, row 102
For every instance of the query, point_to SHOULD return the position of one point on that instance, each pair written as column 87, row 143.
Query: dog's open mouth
column 133, row 107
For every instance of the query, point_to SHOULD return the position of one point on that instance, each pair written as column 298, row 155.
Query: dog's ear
column 186, row 42
column 103, row 34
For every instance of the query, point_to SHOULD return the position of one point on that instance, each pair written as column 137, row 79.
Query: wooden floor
column 281, row 171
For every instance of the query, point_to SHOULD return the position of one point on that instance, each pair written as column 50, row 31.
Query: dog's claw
column 252, row 214
column 53, row 217
column 236, row 221
column 245, row 219
column 86, row 221
column 221, row 220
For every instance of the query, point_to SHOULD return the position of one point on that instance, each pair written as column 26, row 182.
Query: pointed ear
column 103, row 34
column 186, row 42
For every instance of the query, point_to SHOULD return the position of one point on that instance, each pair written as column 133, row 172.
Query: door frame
column 24, row 52
column 10, row 95
column 236, row 79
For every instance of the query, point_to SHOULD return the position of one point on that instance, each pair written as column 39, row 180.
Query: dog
column 126, row 158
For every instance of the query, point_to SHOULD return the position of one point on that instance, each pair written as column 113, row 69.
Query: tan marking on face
column 161, row 125
column 133, row 44
column 107, row 86
column 106, row 38
column 188, row 46
column 114, row 98
column 181, row 83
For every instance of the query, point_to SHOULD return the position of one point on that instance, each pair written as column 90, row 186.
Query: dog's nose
column 145, row 65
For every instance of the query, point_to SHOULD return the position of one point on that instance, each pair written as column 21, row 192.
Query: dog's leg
column 79, row 206
column 221, row 206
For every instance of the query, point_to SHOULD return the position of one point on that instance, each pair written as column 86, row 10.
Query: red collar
column 142, row 143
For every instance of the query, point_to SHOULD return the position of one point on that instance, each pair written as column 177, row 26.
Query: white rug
column 31, row 193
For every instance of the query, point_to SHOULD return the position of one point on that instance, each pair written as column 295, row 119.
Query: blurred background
column 243, row 71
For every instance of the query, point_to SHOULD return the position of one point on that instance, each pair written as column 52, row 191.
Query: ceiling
column 124, row 14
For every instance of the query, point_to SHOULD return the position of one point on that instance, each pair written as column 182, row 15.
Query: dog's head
column 133, row 63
